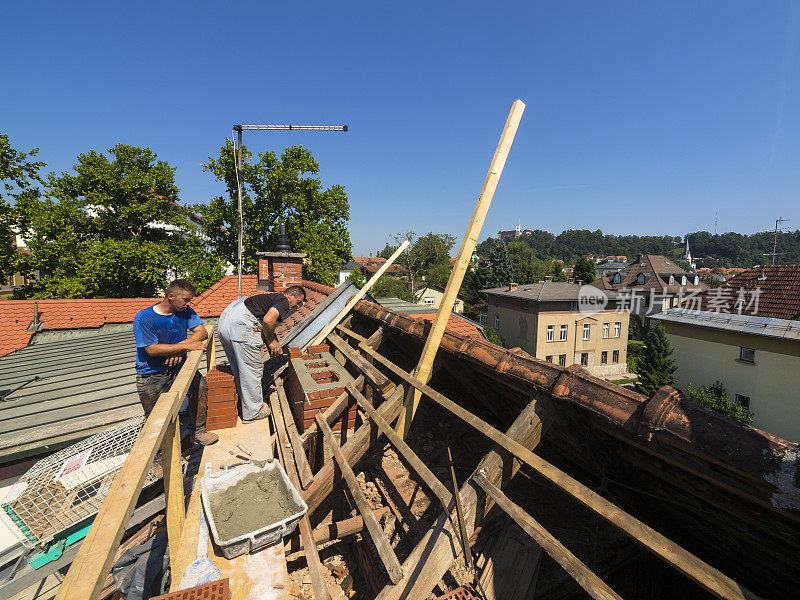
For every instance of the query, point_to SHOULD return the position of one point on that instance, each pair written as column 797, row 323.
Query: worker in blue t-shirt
column 161, row 346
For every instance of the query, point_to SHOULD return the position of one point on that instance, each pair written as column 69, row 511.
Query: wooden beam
column 334, row 531
column 378, row 535
column 433, row 483
column 354, row 449
column 435, row 553
column 87, row 575
column 361, row 293
column 350, row 333
column 687, row 563
column 434, row 338
column 303, row 469
column 378, row 379
column 304, row 525
column 587, row 579
column 173, row 488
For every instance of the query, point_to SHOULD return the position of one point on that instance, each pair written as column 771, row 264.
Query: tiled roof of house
column 657, row 270
column 547, row 291
column 16, row 316
column 455, row 324
column 770, row 292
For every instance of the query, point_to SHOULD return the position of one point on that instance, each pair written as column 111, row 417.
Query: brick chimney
column 280, row 269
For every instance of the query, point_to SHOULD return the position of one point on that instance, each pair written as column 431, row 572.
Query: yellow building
column 746, row 335
column 546, row 320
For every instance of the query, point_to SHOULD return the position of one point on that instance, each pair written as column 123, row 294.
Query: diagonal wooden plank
column 303, row 469
column 378, row 535
column 587, row 579
column 433, row 483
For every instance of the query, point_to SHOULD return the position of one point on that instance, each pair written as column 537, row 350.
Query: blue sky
column 641, row 117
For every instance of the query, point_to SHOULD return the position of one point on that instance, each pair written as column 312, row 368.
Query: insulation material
column 68, row 487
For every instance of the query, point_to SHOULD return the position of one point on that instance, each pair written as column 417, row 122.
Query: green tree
column 387, row 251
column 286, row 190
column 638, row 328
column 18, row 178
column 585, row 270
column 491, row 336
column 716, row 398
column 499, row 270
column 357, row 277
column 112, row 228
column 655, row 367
column 391, row 287
column 474, row 301
column 426, row 257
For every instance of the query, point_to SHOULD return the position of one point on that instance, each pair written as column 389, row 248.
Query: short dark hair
column 181, row 284
column 296, row 290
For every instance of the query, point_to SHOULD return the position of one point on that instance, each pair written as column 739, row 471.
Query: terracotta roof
column 17, row 315
column 455, row 324
column 656, row 270
column 372, row 267
column 362, row 260
column 770, row 291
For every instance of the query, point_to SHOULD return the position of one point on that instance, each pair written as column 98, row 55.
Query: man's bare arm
column 268, row 325
column 193, row 342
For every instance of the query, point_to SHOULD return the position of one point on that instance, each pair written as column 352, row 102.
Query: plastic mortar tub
column 214, row 484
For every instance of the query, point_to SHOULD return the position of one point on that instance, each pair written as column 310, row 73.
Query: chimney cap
column 283, row 243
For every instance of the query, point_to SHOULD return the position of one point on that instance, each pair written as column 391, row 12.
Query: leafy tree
column 635, row 352
column 716, row 398
column 274, row 191
column 425, row 257
column 492, row 336
column 557, row 271
column 18, row 178
column 357, row 277
column 499, row 270
column 638, row 328
column 585, row 270
column 387, row 251
column 391, row 287
column 112, row 228
column 474, row 301
column 655, row 367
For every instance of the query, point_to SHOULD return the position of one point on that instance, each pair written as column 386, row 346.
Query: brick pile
column 222, row 399
column 216, row 590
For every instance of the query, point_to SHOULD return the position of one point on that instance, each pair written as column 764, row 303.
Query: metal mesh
column 68, row 487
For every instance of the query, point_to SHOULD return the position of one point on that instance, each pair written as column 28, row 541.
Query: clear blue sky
column 641, row 117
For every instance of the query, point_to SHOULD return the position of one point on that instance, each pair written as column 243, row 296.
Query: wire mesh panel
column 68, row 487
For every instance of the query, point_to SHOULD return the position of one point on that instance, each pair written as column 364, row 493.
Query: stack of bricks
column 316, row 380
column 222, row 399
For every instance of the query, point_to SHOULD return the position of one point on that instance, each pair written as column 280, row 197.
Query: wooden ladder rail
column 315, row 568
column 378, row 535
column 687, row 563
column 90, row 568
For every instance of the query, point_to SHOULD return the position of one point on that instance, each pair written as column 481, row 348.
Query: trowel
column 259, row 459
column 202, row 569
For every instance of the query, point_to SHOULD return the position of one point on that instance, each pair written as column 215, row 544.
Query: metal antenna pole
column 239, row 183
column 774, row 252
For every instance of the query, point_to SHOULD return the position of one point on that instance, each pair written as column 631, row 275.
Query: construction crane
column 239, row 128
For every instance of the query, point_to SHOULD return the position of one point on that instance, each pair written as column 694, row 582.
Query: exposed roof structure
column 660, row 274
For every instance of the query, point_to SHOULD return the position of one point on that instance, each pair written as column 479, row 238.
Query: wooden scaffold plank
column 303, row 469
column 378, row 535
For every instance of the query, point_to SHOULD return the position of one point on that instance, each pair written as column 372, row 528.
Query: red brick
column 223, row 411
column 226, row 422
column 295, row 352
column 313, row 396
column 318, row 348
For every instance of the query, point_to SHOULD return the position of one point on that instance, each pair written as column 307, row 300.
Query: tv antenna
column 261, row 127
column 773, row 254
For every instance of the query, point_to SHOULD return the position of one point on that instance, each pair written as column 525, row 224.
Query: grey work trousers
column 240, row 335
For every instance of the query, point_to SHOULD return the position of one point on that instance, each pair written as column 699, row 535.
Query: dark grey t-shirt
column 260, row 304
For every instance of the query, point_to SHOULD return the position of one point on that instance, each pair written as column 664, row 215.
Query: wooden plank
column 439, row 547
column 87, row 575
column 211, row 353
column 334, row 531
column 304, row 525
column 423, row 370
column 173, row 487
column 509, row 564
column 361, row 293
column 687, row 563
column 433, row 483
column 350, row 333
column 303, row 469
column 378, row 535
column 587, row 579
column 378, row 379
column 354, row 449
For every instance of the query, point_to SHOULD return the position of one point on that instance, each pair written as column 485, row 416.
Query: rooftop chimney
column 281, row 269
column 512, row 287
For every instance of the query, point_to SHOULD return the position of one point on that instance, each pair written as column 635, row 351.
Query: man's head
column 179, row 293
column 296, row 295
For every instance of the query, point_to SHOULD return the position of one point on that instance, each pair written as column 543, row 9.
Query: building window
column 549, row 358
column 604, row 357
column 482, row 319
column 562, row 360
column 747, row 355
column 497, row 321
column 525, row 304
column 429, row 300
column 617, row 278
column 605, row 329
column 640, row 278
column 743, row 401
column 562, row 334
column 573, row 306
column 615, row 356
column 586, row 331
column 584, row 359
column 617, row 328
column 550, row 333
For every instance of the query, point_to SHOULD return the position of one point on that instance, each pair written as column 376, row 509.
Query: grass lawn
column 623, row 381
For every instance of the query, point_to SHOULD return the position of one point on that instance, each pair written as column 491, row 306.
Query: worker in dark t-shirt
column 246, row 331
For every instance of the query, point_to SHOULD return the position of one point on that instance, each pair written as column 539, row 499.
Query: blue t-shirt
column 150, row 328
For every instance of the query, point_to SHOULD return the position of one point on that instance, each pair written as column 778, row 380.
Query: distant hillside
column 721, row 250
